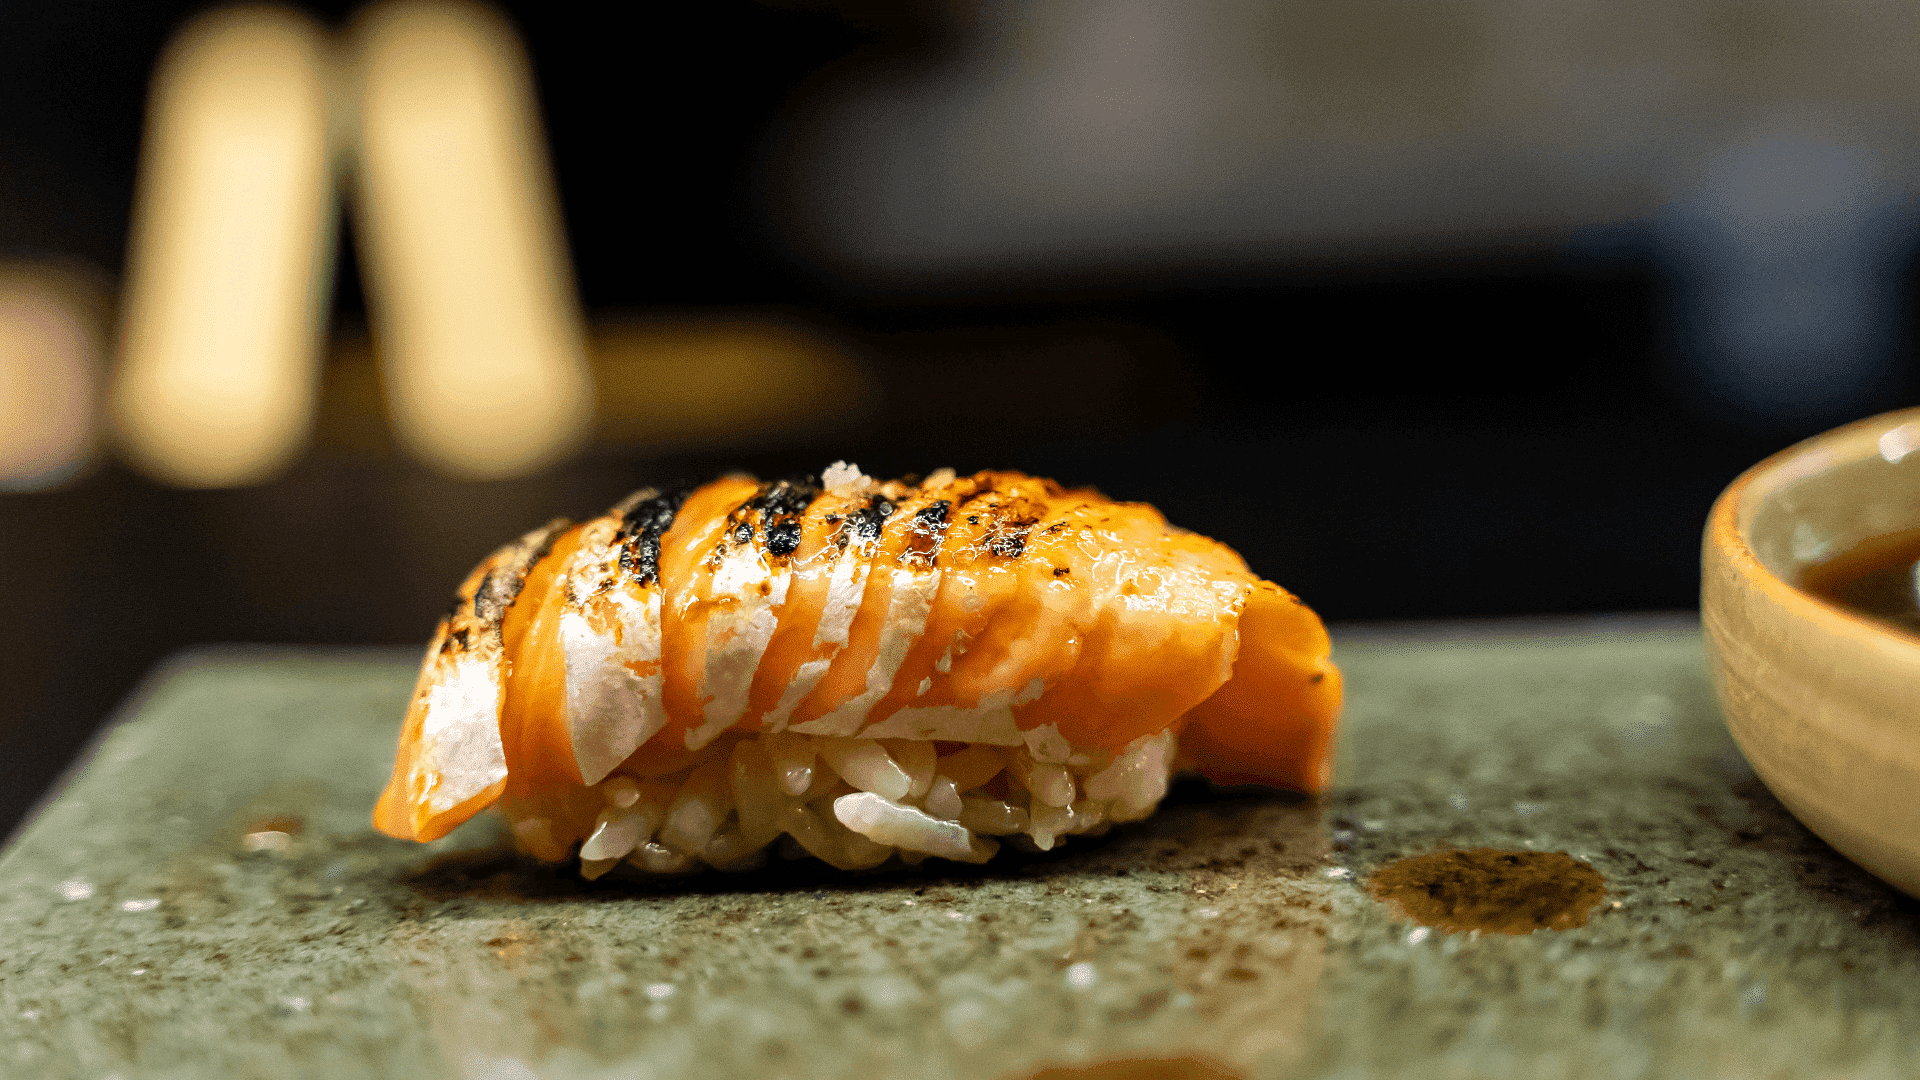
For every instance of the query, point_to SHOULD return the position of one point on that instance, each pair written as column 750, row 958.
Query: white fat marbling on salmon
column 844, row 591
column 608, row 628
column 910, row 604
column 611, row 707
column 747, row 593
column 460, row 750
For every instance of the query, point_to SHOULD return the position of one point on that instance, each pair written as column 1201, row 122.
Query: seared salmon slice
column 857, row 669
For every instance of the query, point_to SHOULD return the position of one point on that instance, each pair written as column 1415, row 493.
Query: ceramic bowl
column 1825, row 703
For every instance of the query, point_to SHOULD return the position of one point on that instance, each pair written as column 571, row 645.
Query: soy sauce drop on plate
column 1875, row 579
column 1489, row 890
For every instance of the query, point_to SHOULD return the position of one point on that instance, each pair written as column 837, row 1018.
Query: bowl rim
column 1724, row 532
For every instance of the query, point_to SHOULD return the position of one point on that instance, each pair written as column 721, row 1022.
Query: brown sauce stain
column 512, row 947
column 273, row 821
column 1173, row 1068
column 1489, row 890
column 282, row 823
column 1874, row 578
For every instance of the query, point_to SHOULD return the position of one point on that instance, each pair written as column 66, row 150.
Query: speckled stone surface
column 139, row 938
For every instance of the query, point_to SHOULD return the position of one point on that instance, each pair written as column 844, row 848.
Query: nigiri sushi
column 853, row 669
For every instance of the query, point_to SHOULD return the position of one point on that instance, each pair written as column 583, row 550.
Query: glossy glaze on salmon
column 853, row 669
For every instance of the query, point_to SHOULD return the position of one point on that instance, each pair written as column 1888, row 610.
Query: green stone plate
column 143, row 935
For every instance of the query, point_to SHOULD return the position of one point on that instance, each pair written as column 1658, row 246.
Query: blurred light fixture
column 230, row 257
column 722, row 379
column 51, row 353
column 664, row 379
column 469, row 288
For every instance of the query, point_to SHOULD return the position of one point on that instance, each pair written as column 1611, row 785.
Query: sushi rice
column 853, row 803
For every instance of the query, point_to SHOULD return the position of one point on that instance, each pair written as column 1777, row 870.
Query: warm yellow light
column 230, row 257
column 723, row 379
column 50, row 357
column 468, row 284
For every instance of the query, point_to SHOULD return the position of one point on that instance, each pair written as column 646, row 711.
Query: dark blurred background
column 1427, row 317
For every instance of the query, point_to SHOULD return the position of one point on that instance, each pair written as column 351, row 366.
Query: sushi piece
column 853, row 669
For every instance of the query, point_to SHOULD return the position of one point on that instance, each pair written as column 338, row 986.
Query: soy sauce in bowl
column 1879, row 579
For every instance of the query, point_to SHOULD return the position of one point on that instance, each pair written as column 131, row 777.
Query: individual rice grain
column 916, row 758
column 792, row 756
column 859, row 852
column 826, row 784
column 734, row 850
column 698, row 810
column 756, row 792
column 992, row 817
column 825, row 838
column 971, row 766
column 908, row 828
column 804, row 825
column 943, row 798
column 864, row 763
column 1136, row 781
column 621, row 791
column 617, row 831
column 1049, row 823
column 1089, row 817
column 1051, row 784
